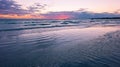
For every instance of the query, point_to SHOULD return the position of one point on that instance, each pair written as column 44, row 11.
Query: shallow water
column 70, row 45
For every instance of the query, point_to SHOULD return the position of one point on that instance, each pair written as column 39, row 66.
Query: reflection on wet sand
column 96, row 46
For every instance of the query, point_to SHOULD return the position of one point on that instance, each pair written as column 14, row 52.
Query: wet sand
column 76, row 46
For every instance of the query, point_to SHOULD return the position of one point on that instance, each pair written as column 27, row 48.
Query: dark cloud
column 88, row 14
column 81, row 14
column 37, row 7
column 11, row 7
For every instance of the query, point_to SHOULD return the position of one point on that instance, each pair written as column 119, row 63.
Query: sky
column 59, row 9
column 71, row 5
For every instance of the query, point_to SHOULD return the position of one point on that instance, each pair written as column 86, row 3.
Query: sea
column 60, row 43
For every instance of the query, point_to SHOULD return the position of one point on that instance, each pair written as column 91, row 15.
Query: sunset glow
column 58, row 16
column 62, row 17
column 41, row 9
column 26, row 16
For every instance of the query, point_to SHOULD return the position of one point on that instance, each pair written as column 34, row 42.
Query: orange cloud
column 25, row 16
column 29, row 16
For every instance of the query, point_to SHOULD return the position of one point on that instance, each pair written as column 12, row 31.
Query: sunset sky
column 58, row 9
column 71, row 5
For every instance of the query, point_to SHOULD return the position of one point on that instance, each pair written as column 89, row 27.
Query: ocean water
column 60, row 43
